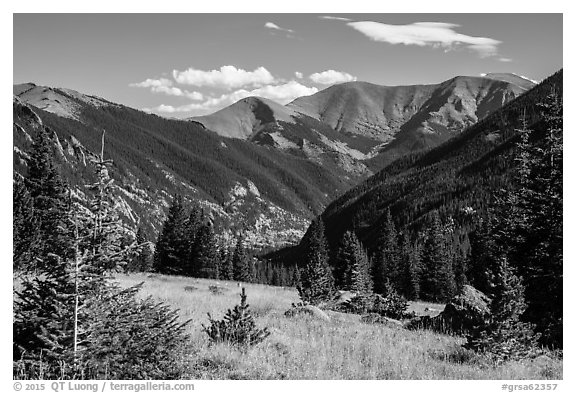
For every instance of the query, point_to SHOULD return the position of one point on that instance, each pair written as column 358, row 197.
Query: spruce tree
column 505, row 337
column 539, row 246
column 226, row 263
column 387, row 257
column 49, row 196
column 69, row 318
column 241, row 262
column 172, row 248
column 143, row 260
column 317, row 281
column 355, row 269
column 25, row 226
column 206, row 254
column 410, row 268
column 438, row 281
column 237, row 328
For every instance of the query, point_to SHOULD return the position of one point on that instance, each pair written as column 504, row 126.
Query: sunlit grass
column 305, row 348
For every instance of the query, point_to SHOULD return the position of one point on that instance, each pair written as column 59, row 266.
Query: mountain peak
column 245, row 117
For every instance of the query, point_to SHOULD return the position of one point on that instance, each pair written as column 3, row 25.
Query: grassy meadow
column 306, row 348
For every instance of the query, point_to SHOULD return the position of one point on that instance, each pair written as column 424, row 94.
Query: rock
column 310, row 310
column 345, row 296
column 376, row 318
column 464, row 311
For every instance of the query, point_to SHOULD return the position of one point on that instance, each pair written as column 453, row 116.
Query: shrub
column 237, row 328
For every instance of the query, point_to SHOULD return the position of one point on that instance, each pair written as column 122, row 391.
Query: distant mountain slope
column 359, row 127
column 267, row 123
column 407, row 118
column 458, row 177
column 246, row 117
column 267, row 193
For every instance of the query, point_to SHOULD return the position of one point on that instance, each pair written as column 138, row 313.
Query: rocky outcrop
column 308, row 310
column 464, row 311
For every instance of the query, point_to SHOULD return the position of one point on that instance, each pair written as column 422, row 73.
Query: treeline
column 188, row 246
column 422, row 268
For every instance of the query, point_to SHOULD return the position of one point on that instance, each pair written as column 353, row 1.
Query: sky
column 183, row 65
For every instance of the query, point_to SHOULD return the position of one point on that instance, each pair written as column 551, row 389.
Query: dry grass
column 304, row 348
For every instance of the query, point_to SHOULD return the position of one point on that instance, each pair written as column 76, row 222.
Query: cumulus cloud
column 329, row 77
column 335, row 18
column 274, row 26
column 433, row 34
column 282, row 93
column 298, row 75
column 165, row 86
column 227, row 77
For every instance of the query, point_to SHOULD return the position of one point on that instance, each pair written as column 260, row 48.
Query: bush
column 129, row 338
column 237, row 328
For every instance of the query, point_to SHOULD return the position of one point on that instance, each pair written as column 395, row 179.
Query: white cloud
column 433, row 34
column 164, row 86
column 335, row 18
column 227, row 77
column 282, row 94
column 274, row 26
column 298, row 75
column 330, row 77
column 505, row 59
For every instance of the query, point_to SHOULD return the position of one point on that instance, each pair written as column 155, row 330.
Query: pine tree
column 504, row 337
column 296, row 277
column 25, row 231
column 206, row 254
column 410, row 268
column 317, row 281
column 49, row 196
column 69, row 318
column 387, row 257
column 354, row 265
column 226, row 264
column 438, row 283
column 143, row 260
column 241, row 262
column 237, row 328
column 538, row 254
column 172, row 248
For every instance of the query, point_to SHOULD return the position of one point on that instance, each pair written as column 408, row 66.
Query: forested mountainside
column 267, row 194
column 457, row 179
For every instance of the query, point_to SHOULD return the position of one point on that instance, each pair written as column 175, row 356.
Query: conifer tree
column 504, row 336
column 387, row 257
column 355, row 269
column 172, row 248
column 143, row 260
column 410, row 268
column 25, row 231
column 438, row 283
column 241, row 262
column 69, row 319
column 49, row 196
column 206, row 254
column 237, row 328
column 317, row 280
column 226, row 264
